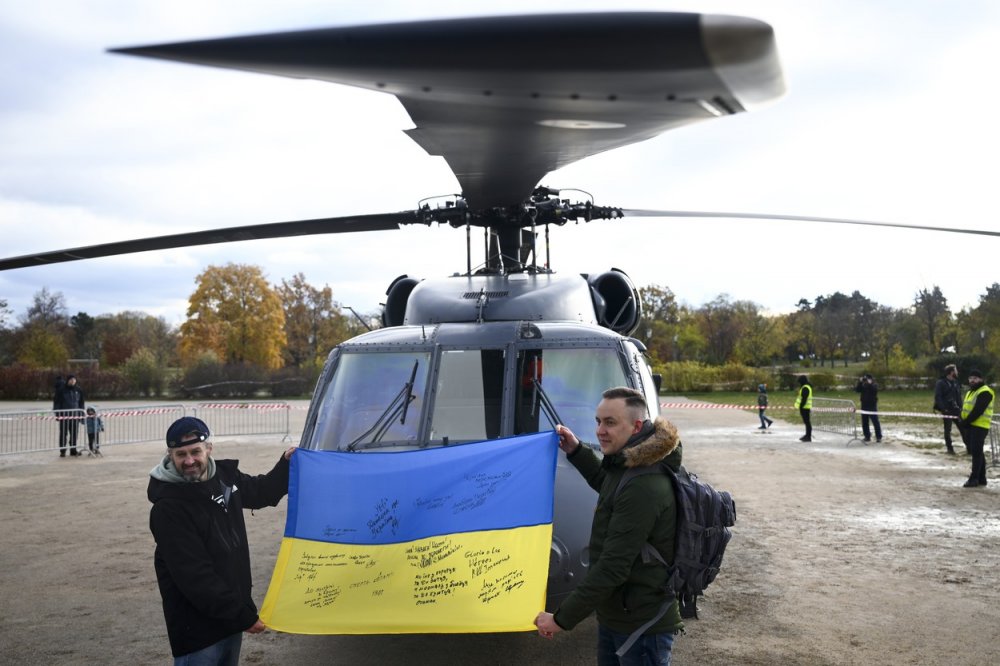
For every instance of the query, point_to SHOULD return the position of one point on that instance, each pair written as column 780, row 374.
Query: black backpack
column 704, row 516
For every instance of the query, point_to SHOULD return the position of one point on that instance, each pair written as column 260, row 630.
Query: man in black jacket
column 202, row 560
column 69, row 402
column 869, row 407
column 946, row 401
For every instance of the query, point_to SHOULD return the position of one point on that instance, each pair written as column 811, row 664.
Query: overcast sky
column 889, row 116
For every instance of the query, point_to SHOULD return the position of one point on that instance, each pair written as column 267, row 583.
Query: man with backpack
column 629, row 595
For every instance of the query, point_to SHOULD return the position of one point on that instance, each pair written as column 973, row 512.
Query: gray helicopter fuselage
column 471, row 381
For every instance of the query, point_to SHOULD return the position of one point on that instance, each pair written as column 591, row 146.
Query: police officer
column 804, row 403
column 977, row 411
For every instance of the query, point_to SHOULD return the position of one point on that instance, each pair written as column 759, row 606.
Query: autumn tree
column 314, row 323
column 235, row 313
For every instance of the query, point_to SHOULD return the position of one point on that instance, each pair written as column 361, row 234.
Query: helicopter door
column 572, row 380
column 468, row 396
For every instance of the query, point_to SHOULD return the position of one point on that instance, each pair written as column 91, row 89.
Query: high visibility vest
column 809, row 400
column 970, row 401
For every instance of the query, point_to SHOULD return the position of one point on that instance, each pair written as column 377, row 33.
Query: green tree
column 314, row 323
column 235, row 313
column 762, row 339
column 86, row 344
column 723, row 323
column 41, row 348
column 42, row 339
column 659, row 327
column 978, row 329
column 145, row 373
column 931, row 310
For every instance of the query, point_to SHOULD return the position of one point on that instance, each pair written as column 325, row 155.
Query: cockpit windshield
column 371, row 401
column 572, row 380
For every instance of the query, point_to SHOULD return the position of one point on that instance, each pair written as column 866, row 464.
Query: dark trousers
column 948, row 423
column 806, row 415
column 975, row 440
column 68, row 429
column 864, row 424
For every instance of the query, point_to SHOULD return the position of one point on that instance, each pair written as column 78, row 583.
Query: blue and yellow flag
column 446, row 540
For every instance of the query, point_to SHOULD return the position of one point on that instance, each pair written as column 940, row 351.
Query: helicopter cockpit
column 426, row 386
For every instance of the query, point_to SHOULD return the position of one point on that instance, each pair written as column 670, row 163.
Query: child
column 765, row 422
column 95, row 426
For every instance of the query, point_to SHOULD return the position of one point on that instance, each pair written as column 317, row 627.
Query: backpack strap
column 634, row 636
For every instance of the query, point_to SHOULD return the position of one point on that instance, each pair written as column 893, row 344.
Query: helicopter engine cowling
column 616, row 301
column 397, row 296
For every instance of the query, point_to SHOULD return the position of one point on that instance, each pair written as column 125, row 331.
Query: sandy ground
column 842, row 554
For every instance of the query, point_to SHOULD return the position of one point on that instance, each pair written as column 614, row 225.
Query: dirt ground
column 842, row 554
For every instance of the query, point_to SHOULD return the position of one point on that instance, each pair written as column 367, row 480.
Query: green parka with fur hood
column 625, row 592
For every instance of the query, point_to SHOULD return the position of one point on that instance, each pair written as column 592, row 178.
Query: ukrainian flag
column 446, row 540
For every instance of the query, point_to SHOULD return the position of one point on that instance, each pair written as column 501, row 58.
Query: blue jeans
column 648, row 650
column 224, row 653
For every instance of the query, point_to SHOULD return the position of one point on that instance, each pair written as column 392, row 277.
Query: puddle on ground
column 941, row 522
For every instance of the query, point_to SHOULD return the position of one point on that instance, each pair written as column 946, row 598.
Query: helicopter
column 507, row 346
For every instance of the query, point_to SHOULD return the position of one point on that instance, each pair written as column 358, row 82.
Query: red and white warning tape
column 713, row 405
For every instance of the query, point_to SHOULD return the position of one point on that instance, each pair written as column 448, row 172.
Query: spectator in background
column 765, row 422
column 95, row 426
column 869, row 403
column 804, row 403
column 68, row 403
column 946, row 401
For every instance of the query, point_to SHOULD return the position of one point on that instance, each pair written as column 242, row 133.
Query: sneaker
column 878, row 440
column 769, row 423
column 761, row 428
column 867, row 439
column 805, row 438
column 970, row 484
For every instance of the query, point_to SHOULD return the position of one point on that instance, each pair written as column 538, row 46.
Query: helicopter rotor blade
column 798, row 218
column 326, row 225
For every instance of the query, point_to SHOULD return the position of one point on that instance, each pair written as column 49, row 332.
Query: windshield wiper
column 400, row 403
column 542, row 398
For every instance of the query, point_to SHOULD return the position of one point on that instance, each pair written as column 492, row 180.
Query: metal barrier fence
column 995, row 443
column 39, row 430
column 25, row 432
column 246, row 418
column 131, row 425
column 837, row 416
